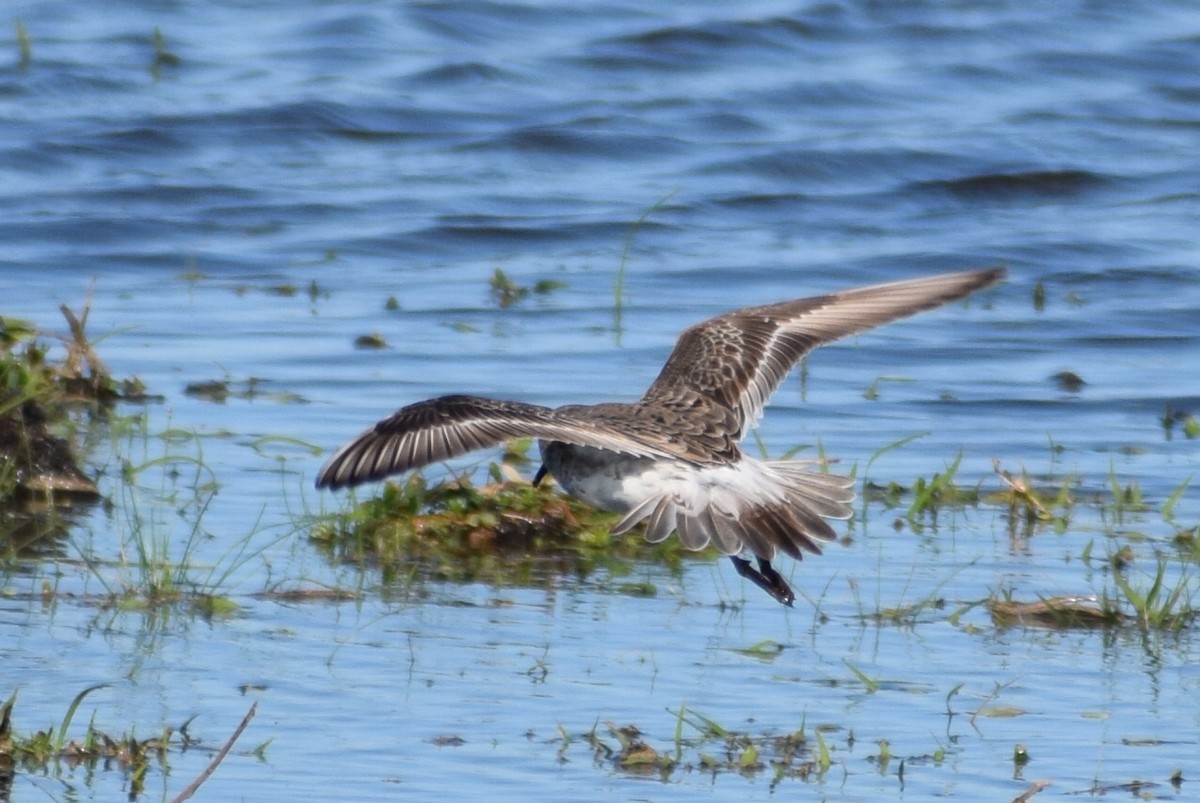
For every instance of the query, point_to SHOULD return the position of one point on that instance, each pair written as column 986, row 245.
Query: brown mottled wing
column 738, row 359
column 439, row 429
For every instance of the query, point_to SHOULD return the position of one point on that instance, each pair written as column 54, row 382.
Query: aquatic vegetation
column 938, row 492
column 1166, row 603
column 370, row 341
column 163, row 57
column 1068, row 382
column 623, row 262
column 161, row 503
column 79, row 376
column 928, row 497
column 37, row 395
column 700, row 744
column 24, row 50
column 506, row 292
column 219, row 391
column 50, row 749
column 507, row 532
column 1187, row 423
column 1054, row 612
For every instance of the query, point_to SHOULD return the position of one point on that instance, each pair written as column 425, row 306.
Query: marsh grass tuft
column 1187, row 423
column 1166, row 603
column 941, row 490
column 699, row 744
column 161, row 505
column 219, row 391
column 1030, row 506
column 43, row 750
column 506, row 532
column 506, row 292
column 38, row 396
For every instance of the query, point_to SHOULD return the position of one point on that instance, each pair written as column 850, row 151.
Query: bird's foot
column 766, row 578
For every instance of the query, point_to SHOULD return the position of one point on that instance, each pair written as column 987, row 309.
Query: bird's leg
column 541, row 475
column 766, row 578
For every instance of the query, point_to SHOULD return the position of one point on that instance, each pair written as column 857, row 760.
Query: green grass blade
column 619, row 284
column 871, row 684
column 61, row 737
column 1168, row 508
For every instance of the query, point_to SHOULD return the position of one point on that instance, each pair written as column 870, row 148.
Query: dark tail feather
column 788, row 526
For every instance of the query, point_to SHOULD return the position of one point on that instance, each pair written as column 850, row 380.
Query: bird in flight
column 672, row 459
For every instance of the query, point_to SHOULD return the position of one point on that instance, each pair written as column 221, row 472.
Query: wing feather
column 739, row 359
column 449, row 426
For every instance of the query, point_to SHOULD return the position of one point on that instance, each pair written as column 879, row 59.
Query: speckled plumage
column 672, row 458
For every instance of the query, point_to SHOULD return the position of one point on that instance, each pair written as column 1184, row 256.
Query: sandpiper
column 672, row 458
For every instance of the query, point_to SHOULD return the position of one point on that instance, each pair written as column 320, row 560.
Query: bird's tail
column 782, row 506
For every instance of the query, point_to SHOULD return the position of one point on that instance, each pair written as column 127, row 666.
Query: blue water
column 771, row 150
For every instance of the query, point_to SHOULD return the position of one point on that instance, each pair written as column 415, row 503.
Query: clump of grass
column 1187, row 423
column 1166, row 604
column 37, row 395
column 1030, row 505
column 80, row 377
column 700, row 743
column 506, row 292
column 928, row 497
column 506, row 532
column 939, row 491
column 97, row 750
column 219, row 391
column 46, row 748
column 1125, row 499
column 158, row 566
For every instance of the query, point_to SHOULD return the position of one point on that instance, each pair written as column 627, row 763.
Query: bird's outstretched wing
column 439, row 429
column 737, row 360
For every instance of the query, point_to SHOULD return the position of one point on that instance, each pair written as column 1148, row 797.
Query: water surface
column 771, row 151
